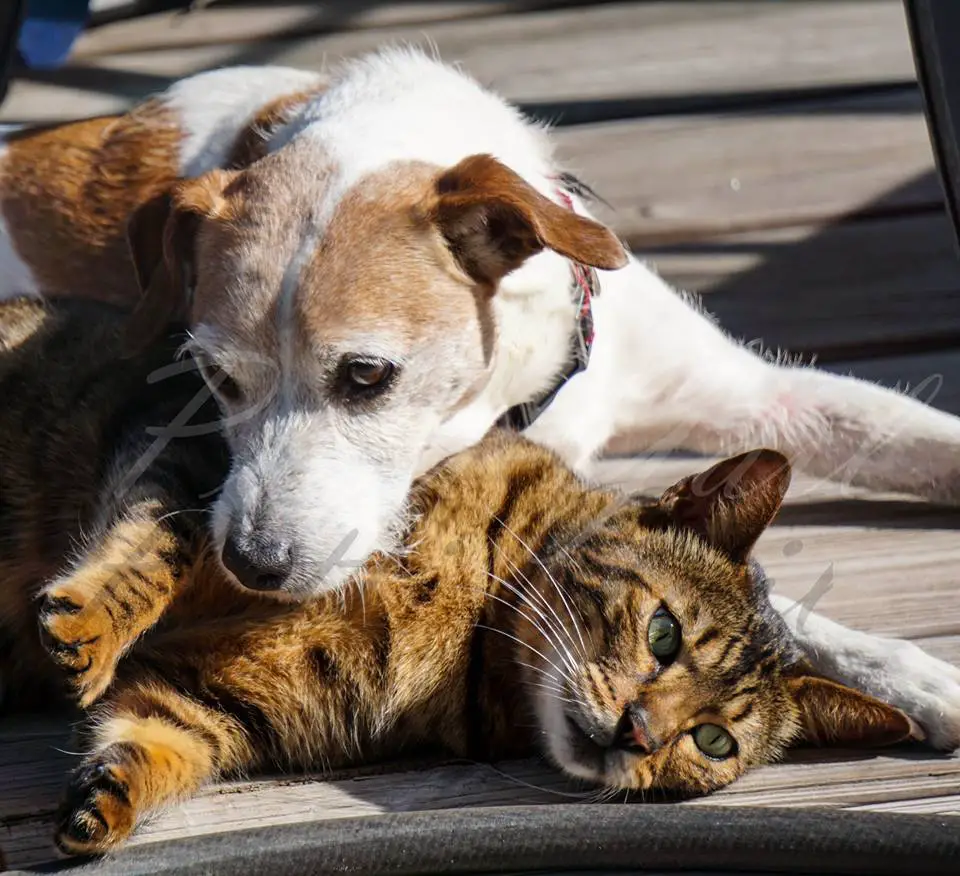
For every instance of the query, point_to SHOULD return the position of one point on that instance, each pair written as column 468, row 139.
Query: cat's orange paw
column 81, row 636
column 97, row 814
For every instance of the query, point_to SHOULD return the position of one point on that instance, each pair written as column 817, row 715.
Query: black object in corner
column 934, row 27
column 11, row 17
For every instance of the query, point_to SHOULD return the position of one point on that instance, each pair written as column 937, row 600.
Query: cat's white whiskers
column 576, row 564
column 546, row 571
column 534, row 624
column 525, row 596
column 557, row 690
column 524, row 582
column 510, row 636
column 567, row 656
column 553, row 695
column 539, row 669
column 556, row 585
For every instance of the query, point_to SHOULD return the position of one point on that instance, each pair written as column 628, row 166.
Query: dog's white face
column 339, row 328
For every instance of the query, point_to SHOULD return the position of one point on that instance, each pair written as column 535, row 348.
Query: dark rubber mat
column 632, row 838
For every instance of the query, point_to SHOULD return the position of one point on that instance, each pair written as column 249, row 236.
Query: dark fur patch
column 323, row 665
column 427, row 589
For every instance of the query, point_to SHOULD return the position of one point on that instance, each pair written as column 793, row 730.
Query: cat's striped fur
column 519, row 617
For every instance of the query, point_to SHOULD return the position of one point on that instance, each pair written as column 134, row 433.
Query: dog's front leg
column 859, row 433
column 838, row 428
column 666, row 376
column 892, row 670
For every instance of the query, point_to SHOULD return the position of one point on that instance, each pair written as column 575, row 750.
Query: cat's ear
column 834, row 715
column 731, row 504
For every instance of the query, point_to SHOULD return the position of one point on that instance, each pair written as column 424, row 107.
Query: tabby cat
column 630, row 641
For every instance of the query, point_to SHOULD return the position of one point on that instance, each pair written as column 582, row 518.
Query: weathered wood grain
column 597, row 61
column 239, row 23
column 589, row 51
column 836, row 291
column 671, row 179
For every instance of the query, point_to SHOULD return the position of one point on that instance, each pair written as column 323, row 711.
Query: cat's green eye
column 664, row 635
column 714, row 741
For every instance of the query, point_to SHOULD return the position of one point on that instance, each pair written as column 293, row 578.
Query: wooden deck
column 770, row 155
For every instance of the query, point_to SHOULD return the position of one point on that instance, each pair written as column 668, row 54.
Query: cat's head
column 656, row 659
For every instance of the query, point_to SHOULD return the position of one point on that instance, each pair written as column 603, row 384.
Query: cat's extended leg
column 117, row 588
column 153, row 748
column 892, row 670
column 278, row 684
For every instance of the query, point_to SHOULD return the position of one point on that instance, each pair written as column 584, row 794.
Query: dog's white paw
column 895, row 671
column 925, row 688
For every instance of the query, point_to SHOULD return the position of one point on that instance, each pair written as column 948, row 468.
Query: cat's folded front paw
column 80, row 636
column 97, row 814
column 928, row 690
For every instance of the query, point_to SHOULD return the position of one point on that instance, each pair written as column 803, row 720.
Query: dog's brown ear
column 493, row 221
column 731, row 504
column 161, row 236
column 834, row 715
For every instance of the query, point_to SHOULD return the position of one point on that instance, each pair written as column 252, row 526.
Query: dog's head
column 339, row 325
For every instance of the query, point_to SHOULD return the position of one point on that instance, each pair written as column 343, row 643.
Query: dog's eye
column 221, row 384
column 365, row 375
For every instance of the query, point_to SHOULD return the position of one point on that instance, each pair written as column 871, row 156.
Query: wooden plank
column 238, row 23
column 838, row 291
column 599, row 51
column 695, row 177
column 622, row 59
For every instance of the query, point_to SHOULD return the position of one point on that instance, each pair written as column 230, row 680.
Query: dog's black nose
column 256, row 565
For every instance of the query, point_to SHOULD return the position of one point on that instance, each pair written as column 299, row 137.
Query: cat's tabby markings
column 630, row 641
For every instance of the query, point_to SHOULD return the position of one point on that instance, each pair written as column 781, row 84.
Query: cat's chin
column 568, row 746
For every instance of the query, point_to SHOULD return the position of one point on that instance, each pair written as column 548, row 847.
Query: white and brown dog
column 378, row 266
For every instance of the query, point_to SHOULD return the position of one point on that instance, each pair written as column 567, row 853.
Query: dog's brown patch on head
column 418, row 251
column 67, row 192
column 381, row 263
column 251, row 143
column 226, row 239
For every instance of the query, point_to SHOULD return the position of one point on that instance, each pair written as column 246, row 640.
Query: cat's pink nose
column 633, row 734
